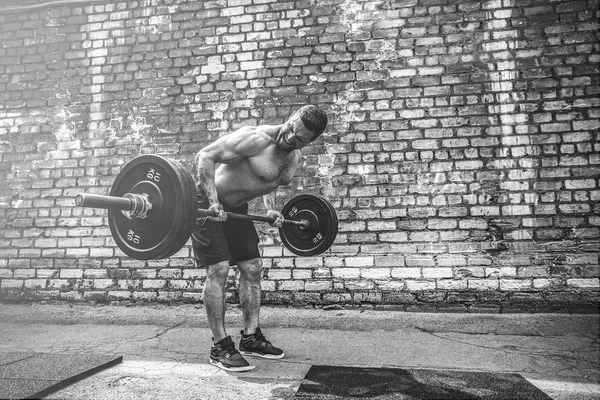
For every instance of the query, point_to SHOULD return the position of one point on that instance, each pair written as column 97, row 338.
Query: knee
column 218, row 272
column 251, row 268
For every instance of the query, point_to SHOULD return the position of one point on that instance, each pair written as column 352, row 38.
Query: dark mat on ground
column 34, row 375
column 332, row 382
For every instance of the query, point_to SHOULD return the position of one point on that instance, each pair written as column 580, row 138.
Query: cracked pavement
column 165, row 348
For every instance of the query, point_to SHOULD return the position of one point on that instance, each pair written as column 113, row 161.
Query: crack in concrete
column 167, row 329
column 523, row 334
column 533, row 353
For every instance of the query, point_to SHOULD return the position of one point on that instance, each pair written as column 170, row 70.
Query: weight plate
column 333, row 234
column 319, row 236
column 191, row 204
column 170, row 221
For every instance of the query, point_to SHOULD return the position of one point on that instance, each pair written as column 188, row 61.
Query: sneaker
column 224, row 355
column 257, row 345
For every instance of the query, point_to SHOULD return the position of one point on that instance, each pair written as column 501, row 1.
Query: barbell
column 153, row 207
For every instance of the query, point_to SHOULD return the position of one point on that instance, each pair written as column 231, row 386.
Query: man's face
column 294, row 135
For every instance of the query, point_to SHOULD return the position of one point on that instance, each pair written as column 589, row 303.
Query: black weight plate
column 319, row 236
column 168, row 226
column 191, row 203
column 333, row 234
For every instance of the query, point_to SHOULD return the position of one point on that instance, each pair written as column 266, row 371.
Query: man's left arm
column 269, row 201
column 269, row 198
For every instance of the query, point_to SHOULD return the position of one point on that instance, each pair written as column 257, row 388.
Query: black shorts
column 233, row 240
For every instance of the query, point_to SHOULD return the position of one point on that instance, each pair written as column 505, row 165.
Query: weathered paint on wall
column 462, row 154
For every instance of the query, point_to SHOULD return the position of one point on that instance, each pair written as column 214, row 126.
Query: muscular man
column 236, row 168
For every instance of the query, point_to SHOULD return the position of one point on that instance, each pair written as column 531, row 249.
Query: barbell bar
column 152, row 211
column 303, row 224
column 138, row 205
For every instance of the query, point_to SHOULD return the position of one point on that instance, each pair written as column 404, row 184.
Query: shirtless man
column 236, row 168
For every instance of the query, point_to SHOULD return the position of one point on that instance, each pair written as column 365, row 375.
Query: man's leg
column 253, row 342
column 223, row 353
column 214, row 298
column 250, row 292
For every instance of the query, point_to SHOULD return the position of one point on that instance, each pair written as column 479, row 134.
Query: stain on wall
column 461, row 156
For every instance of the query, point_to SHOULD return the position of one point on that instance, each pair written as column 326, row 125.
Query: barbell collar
column 141, row 205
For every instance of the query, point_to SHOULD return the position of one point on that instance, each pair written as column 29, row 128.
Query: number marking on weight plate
column 153, row 175
column 317, row 238
column 293, row 211
column 133, row 237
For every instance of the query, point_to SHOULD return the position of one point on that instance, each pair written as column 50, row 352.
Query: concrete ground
column 165, row 348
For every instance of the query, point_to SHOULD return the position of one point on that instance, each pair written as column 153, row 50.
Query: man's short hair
column 313, row 118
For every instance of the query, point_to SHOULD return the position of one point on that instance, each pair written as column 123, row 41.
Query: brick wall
column 462, row 154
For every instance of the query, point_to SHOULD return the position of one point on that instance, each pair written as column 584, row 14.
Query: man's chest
column 271, row 166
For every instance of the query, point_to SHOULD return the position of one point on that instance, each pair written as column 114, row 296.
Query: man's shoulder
column 252, row 139
column 260, row 133
column 258, row 129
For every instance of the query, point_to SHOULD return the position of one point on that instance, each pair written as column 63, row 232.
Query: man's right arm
column 205, row 172
column 228, row 149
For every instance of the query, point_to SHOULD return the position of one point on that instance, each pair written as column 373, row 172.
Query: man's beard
column 283, row 144
column 279, row 136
